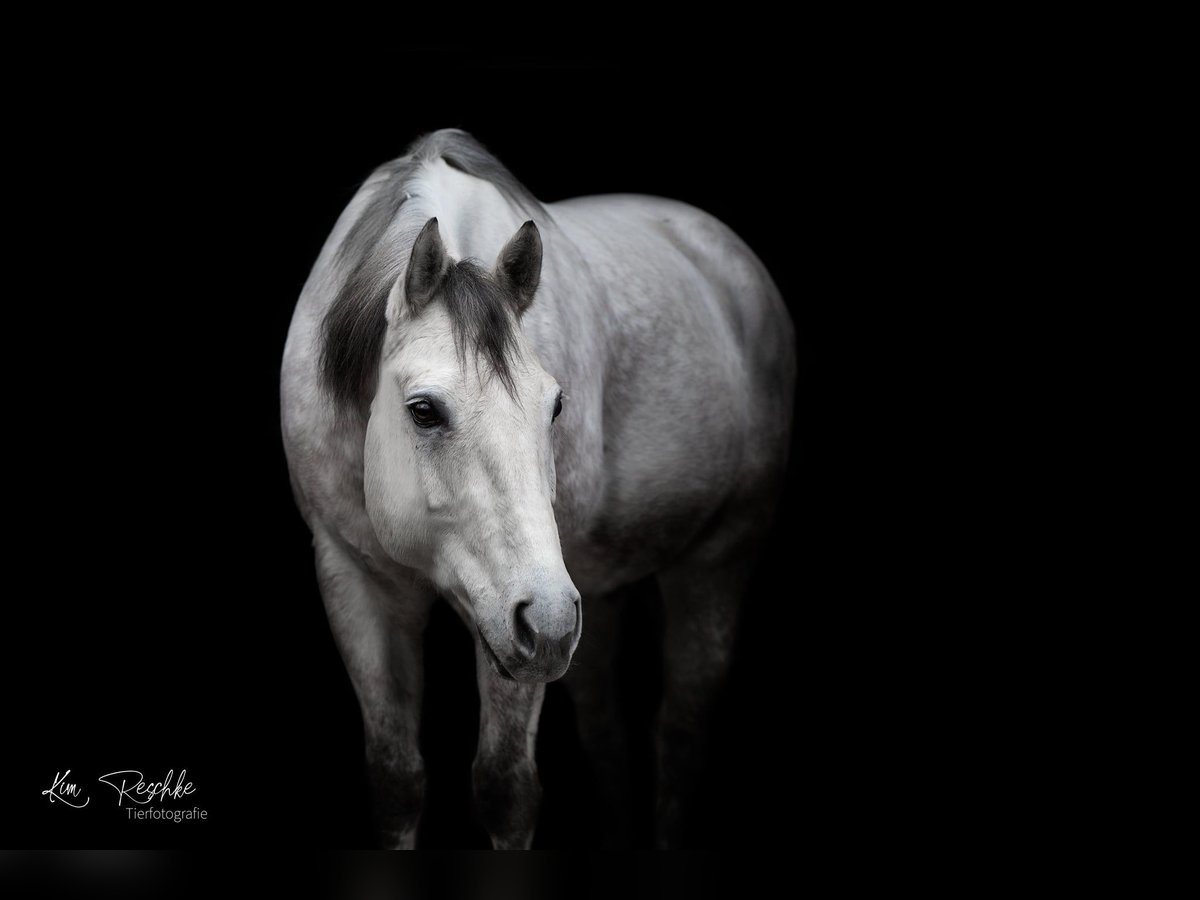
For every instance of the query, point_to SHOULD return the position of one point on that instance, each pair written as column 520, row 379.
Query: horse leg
column 378, row 630
column 507, row 790
column 700, row 605
column 592, row 684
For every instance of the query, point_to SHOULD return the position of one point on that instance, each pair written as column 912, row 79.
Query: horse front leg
column 379, row 630
column 700, row 605
column 504, row 774
column 592, row 684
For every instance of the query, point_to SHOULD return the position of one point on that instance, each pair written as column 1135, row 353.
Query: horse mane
column 375, row 252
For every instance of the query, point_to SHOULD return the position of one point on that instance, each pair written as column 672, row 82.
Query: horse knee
column 507, row 797
column 398, row 795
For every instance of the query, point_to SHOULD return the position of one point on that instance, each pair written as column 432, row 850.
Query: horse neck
column 474, row 218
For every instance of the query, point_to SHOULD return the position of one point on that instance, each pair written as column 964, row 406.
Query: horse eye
column 557, row 408
column 424, row 414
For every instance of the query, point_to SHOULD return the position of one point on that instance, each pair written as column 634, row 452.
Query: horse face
column 459, row 460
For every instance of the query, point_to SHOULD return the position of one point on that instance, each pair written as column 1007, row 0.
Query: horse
column 522, row 407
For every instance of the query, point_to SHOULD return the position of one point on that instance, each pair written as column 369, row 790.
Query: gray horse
column 512, row 406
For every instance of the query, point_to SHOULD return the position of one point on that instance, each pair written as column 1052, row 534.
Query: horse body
column 674, row 354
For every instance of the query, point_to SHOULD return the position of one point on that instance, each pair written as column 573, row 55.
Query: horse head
column 459, row 460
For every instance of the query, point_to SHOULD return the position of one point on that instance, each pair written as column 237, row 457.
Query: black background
column 169, row 616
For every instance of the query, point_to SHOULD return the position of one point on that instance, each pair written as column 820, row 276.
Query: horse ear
column 426, row 267
column 519, row 268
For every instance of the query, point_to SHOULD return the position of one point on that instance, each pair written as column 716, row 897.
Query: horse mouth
column 492, row 658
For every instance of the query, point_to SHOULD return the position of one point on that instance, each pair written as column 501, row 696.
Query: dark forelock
column 481, row 318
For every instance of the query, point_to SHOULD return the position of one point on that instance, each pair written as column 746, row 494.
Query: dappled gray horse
column 514, row 406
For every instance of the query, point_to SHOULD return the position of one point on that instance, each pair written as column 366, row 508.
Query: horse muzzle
column 543, row 634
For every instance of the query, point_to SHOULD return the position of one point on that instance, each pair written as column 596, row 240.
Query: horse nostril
column 525, row 633
column 564, row 644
